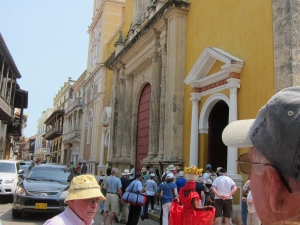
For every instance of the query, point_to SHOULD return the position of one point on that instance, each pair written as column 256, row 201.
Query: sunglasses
column 245, row 167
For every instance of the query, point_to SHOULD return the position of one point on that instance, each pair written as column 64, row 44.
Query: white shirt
column 132, row 176
column 251, row 208
column 223, row 185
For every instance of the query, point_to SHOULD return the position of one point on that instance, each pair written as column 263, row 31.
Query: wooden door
column 143, row 123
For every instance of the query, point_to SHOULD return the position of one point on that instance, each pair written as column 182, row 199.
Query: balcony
column 54, row 133
column 78, row 102
column 15, row 127
column 73, row 136
column 6, row 111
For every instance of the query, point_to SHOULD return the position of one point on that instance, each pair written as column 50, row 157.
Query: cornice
column 113, row 59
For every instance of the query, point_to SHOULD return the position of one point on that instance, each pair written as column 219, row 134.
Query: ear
column 277, row 191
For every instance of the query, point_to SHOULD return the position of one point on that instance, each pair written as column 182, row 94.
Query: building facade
column 55, row 124
column 184, row 69
column 12, row 102
column 74, row 121
column 108, row 15
column 42, row 146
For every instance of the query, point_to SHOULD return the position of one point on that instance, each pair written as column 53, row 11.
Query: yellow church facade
column 199, row 65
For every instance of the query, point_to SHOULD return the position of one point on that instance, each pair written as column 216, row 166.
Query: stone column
column 194, row 131
column 232, row 153
column 120, row 117
column 133, row 137
column 163, row 43
column 73, row 122
column 174, row 110
column 102, row 148
column 286, row 27
column 126, row 144
column 155, row 105
column 114, row 122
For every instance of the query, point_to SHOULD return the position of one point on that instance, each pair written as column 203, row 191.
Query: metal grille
column 37, row 193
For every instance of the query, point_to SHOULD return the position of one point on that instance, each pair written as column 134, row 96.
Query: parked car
column 9, row 176
column 25, row 168
column 44, row 189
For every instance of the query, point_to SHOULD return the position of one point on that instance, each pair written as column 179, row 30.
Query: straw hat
column 126, row 172
column 144, row 170
column 84, row 187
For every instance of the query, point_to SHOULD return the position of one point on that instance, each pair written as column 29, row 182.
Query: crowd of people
column 272, row 160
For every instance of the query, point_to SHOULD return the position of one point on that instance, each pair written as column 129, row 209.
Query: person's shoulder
column 56, row 220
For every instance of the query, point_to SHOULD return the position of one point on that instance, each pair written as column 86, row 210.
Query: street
column 40, row 218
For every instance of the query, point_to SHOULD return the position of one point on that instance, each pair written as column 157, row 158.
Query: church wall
column 231, row 25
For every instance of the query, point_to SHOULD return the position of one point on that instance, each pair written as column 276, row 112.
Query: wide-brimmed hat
column 218, row 169
column 144, row 170
column 152, row 175
column 84, row 187
column 171, row 167
column 126, row 172
column 178, row 167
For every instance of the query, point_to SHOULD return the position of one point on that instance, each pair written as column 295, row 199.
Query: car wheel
column 16, row 213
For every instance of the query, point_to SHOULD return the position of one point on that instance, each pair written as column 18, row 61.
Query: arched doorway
column 143, row 122
column 218, row 120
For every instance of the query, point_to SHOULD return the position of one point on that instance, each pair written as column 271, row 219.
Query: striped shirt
column 150, row 187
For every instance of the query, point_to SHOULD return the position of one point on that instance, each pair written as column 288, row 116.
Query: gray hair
column 114, row 171
column 259, row 169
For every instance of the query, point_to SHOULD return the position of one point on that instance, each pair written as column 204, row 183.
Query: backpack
column 102, row 189
column 163, row 178
column 213, row 177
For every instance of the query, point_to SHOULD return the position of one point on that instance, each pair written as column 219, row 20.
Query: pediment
column 105, row 117
column 200, row 75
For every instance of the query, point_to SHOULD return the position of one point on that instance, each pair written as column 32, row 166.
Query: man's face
column 259, row 192
column 85, row 209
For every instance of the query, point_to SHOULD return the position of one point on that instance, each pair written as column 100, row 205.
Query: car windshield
column 7, row 167
column 25, row 168
column 50, row 174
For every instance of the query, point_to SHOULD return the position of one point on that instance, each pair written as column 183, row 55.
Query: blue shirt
column 168, row 192
column 180, row 183
column 112, row 184
column 135, row 185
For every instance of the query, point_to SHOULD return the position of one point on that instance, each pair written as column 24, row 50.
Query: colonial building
column 12, row 102
column 149, row 68
column 108, row 15
column 55, row 124
column 74, row 121
column 42, row 146
column 184, row 69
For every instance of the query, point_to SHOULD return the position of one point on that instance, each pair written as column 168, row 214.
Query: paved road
column 40, row 218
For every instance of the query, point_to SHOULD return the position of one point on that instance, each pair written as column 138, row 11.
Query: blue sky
column 48, row 41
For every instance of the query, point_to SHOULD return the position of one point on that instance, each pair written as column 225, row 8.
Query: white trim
column 206, row 109
column 197, row 77
column 106, row 115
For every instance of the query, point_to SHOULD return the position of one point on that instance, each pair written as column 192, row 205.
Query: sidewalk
column 99, row 217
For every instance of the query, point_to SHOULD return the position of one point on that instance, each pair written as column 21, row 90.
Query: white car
column 9, row 176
